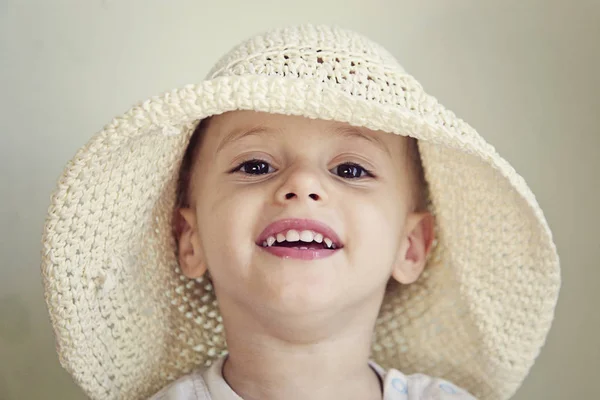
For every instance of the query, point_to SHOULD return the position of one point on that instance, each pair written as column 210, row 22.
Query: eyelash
column 365, row 173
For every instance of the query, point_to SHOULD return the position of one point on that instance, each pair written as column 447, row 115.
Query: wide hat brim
column 127, row 322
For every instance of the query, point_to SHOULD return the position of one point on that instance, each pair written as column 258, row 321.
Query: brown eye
column 255, row 167
column 350, row 171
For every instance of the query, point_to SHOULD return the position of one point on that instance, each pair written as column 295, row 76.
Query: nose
column 302, row 184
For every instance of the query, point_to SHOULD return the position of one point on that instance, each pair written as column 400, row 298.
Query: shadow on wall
column 16, row 326
column 15, row 329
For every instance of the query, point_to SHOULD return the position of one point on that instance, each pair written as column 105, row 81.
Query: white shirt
column 209, row 384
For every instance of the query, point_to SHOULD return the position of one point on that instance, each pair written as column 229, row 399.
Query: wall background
column 525, row 74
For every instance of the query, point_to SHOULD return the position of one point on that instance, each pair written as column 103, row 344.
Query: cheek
column 227, row 230
column 375, row 226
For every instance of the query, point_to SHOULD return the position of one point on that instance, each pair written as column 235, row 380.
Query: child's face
column 308, row 169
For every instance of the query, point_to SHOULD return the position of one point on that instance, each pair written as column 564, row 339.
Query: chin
column 301, row 297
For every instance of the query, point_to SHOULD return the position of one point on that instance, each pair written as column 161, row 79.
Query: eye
column 254, row 167
column 351, row 171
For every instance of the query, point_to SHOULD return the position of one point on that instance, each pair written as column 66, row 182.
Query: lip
column 299, row 225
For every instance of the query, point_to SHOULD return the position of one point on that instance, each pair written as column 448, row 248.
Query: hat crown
column 332, row 56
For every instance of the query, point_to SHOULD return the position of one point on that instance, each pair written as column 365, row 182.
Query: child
column 349, row 226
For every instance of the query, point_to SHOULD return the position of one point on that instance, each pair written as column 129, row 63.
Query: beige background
column 524, row 73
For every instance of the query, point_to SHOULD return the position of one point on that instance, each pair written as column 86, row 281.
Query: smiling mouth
column 302, row 240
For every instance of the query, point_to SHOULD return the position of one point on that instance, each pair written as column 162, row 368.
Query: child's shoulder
column 202, row 384
column 398, row 386
column 188, row 387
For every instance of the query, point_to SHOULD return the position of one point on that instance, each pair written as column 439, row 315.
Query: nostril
column 291, row 195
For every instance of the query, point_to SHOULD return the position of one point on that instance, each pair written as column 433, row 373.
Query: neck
column 296, row 361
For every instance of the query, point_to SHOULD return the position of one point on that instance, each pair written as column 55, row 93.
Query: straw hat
column 127, row 322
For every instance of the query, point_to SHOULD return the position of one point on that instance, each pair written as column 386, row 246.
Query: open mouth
column 299, row 238
column 303, row 240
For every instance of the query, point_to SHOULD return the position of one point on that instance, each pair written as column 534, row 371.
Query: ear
column 415, row 246
column 191, row 257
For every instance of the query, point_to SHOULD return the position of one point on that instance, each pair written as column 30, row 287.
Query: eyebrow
column 240, row 133
column 353, row 132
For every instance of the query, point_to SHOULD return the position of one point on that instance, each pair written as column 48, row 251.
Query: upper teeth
column 294, row 236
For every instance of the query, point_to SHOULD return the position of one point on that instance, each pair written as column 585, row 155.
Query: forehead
column 234, row 126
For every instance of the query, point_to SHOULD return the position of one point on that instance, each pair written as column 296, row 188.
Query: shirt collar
column 220, row 389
